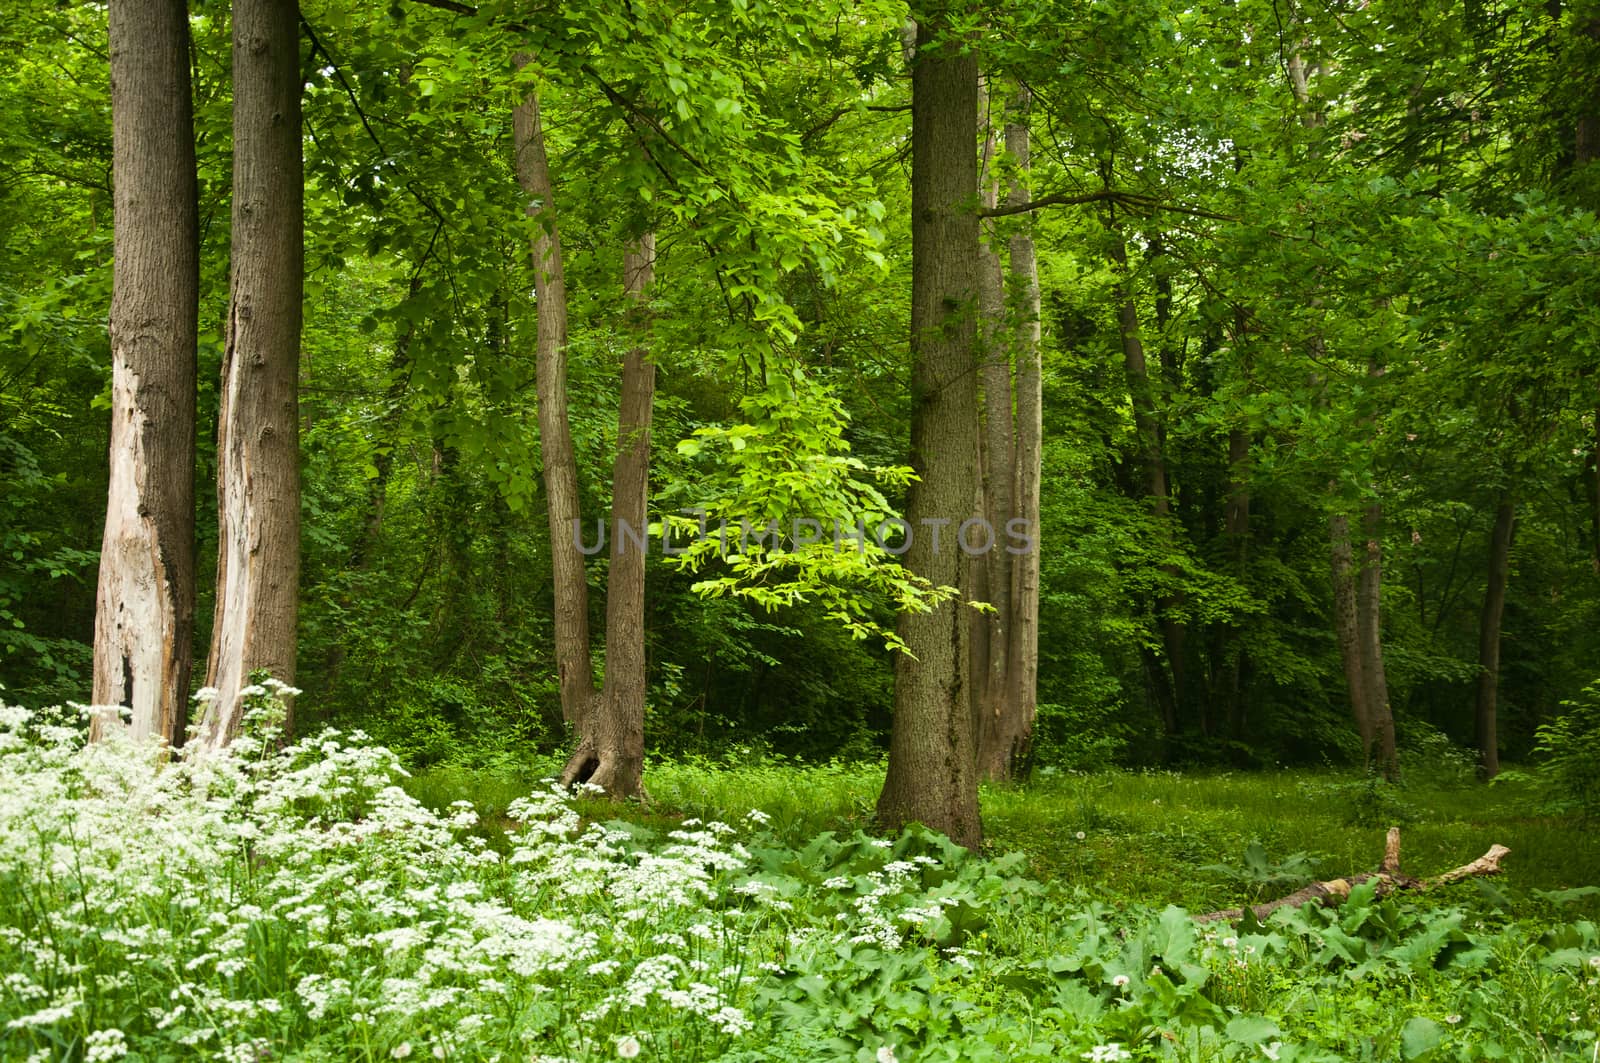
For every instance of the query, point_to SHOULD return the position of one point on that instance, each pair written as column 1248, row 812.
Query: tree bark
column 144, row 615
column 1347, row 627
column 1388, row 877
column 932, row 775
column 610, row 751
column 574, row 663
column 991, row 630
column 1005, row 748
column 1494, row 602
column 258, row 446
column 1375, row 681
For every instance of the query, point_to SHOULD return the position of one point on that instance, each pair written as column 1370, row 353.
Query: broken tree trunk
column 1388, row 877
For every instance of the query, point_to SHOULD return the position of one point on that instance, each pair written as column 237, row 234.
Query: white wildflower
column 102, row 1046
column 886, row 1054
column 627, row 1047
column 1107, row 1053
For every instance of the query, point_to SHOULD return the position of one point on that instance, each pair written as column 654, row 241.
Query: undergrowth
column 301, row 903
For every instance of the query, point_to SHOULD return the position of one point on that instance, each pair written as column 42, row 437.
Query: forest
column 800, row 529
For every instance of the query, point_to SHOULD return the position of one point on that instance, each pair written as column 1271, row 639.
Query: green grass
column 1145, row 835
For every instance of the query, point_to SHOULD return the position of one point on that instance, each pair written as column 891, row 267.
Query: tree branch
column 1134, row 200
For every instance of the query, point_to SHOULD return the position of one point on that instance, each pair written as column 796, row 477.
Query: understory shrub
column 1570, row 748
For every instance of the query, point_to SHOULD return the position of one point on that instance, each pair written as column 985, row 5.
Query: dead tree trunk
column 258, row 445
column 1388, row 877
column 144, row 610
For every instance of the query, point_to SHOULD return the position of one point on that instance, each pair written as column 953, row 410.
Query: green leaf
column 1419, row 1036
column 1253, row 1030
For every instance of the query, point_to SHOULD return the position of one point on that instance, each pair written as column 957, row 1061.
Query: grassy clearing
column 1145, row 835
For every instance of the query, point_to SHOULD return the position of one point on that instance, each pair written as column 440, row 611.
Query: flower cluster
column 234, row 904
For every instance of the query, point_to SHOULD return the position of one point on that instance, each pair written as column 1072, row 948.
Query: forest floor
column 296, row 903
column 1203, row 841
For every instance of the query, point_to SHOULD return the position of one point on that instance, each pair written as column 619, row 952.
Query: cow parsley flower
column 102, row 1046
column 1107, row 1053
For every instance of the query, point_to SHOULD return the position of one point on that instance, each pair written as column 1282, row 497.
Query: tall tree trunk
column 1005, row 749
column 1156, row 486
column 258, row 445
column 1347, row 627
column 610, row 752
column 1375, row 681
column 1494, row 603
column 574, row 663
column 991, row 630
column 932, row 775
column 144, row 610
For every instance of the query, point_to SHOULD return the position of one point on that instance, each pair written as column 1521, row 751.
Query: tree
column 1494, row 604
column 1013, row 403
column 258, row 451
column 610, row 751
column 144, row 616
column 932, row 756
column 608, row 722
column 574, row 666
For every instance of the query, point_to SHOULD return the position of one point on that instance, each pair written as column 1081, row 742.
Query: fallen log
column 1389, row 878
